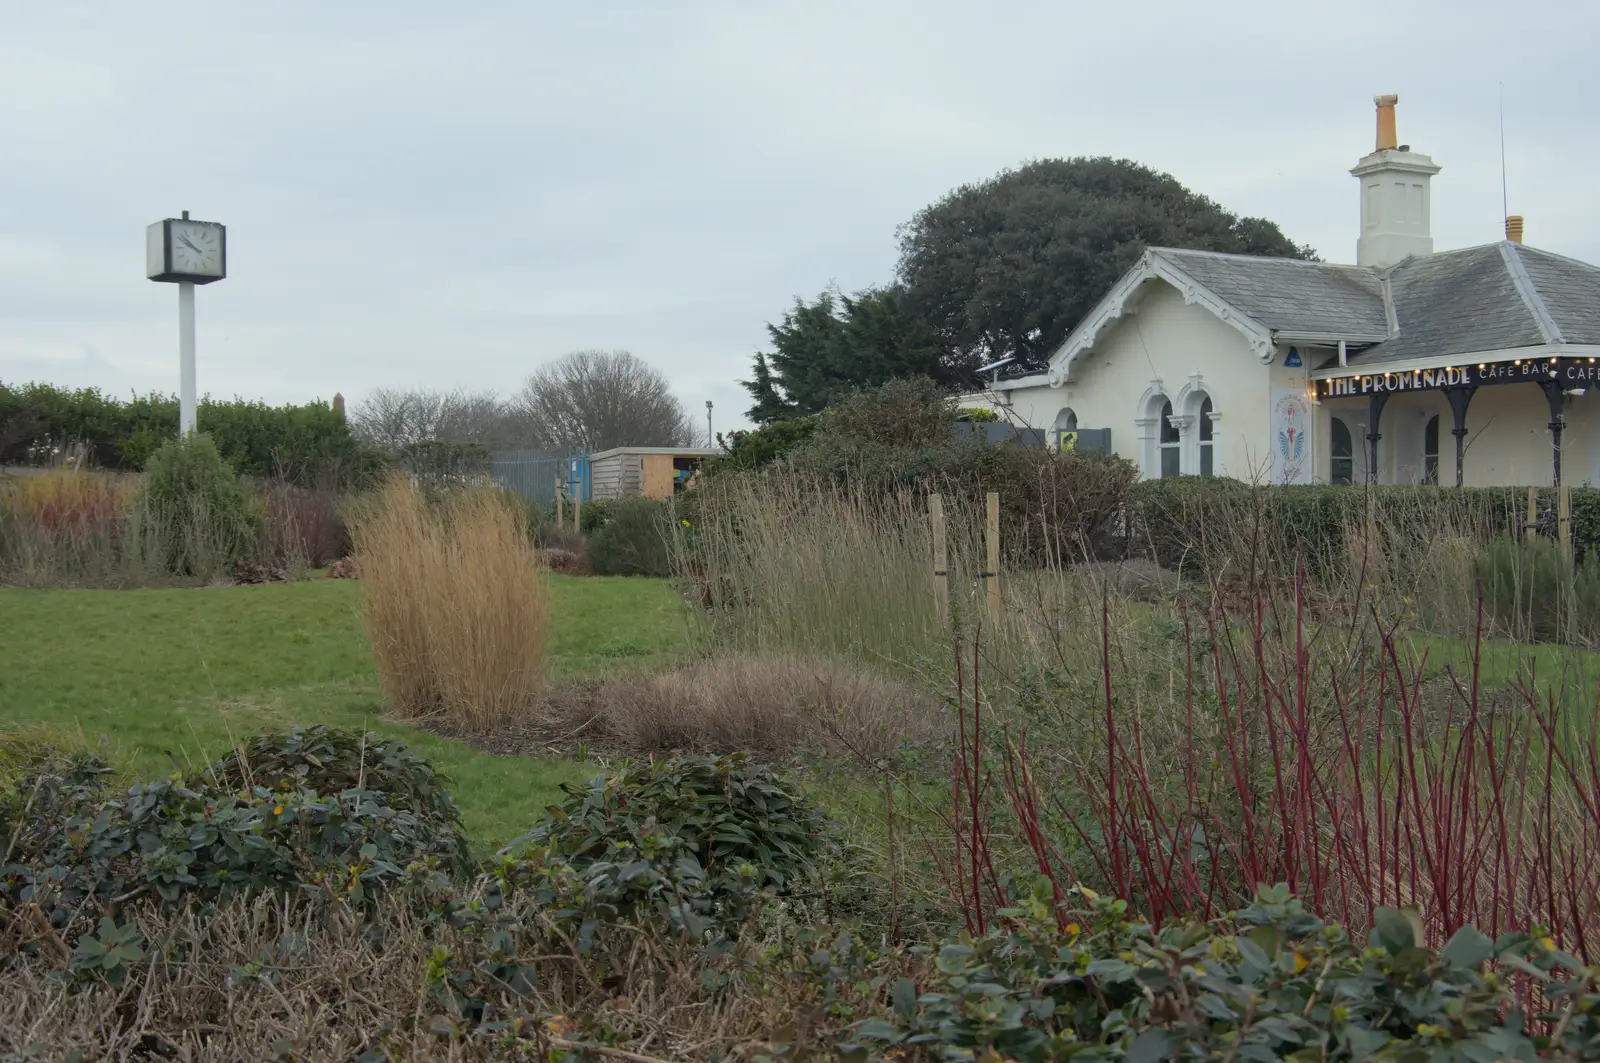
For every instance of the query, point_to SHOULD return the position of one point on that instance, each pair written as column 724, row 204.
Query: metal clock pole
column 187, row 252
column 187, row 412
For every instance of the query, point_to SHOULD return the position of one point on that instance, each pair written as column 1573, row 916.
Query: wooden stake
column 941, row 560
column 1531, row 527
column 577, row 512
column 1564, row 517
column 561, row 516
column 992, row 575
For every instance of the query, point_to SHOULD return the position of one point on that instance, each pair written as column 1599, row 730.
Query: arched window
column 1344, row 454
column 1066, row 421
column 1430, row 451
column 1170, row 460
column 1206, row 465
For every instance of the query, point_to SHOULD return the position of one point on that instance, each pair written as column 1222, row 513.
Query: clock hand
column 186, row 242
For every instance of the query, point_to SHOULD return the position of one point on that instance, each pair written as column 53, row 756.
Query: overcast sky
column 446, row 195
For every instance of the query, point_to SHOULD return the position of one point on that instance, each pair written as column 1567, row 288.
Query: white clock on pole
column 186, row 252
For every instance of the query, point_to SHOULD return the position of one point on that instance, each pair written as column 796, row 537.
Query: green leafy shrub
column 1204, row 524
column 194, row 512
column 275, row 815
column 907, row 436
column 597, row 513
column 695, row 839
column 309, row 444
column 1273, row 982
column 1053, row 506
column 761, row 446
column 634, row 539
column 905, row 412
column 328, row 760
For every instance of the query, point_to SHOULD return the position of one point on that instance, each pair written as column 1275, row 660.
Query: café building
column 1477, row 366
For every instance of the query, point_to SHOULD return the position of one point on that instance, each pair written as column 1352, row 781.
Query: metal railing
column 529, row 473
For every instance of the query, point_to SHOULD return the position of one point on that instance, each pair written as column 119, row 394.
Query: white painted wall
column 1178, row 351
column 1508, row 439
column 1181, row 351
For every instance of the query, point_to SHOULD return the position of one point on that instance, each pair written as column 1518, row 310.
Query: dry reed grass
column 271, row 978
column 65, row 525
column 456, row 604
column 770, row 704
column 786, row 564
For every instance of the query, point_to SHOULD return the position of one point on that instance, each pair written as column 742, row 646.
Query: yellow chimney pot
column 1514, row 228
column 1387, row 139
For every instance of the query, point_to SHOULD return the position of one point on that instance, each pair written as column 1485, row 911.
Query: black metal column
column 1459, row 398
column 1374, row 412
column 1553, row 395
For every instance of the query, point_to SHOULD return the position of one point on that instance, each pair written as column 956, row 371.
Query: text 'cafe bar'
column 1575, row 373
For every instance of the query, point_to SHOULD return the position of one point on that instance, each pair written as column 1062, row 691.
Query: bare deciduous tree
column 590, row 401
column 393, row 417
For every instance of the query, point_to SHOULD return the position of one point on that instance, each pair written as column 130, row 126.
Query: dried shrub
column 256, row 572
column 552, row 536
column 344, row 568
column 508, row 976
column 456, row 603
column 768, row 704
column 300, row 527
column 564, row 562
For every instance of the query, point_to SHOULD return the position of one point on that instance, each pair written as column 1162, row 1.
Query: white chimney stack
column 1396, row 201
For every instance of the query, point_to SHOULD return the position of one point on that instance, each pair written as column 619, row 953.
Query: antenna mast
column 1505, row 208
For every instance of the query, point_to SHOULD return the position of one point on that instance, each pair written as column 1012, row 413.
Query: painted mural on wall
column 1291, row 437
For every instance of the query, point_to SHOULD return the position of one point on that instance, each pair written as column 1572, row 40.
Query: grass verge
column 188, row 671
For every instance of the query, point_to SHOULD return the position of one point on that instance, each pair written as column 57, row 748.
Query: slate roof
column 1492, row 297
column 1290, row 294
column 1570, row 290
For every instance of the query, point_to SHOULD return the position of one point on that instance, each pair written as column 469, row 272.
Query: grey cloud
column 449, row 194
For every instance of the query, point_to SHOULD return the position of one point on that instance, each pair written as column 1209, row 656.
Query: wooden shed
column 657, row 472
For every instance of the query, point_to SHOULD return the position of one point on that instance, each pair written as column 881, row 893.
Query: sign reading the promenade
column 1573, row 373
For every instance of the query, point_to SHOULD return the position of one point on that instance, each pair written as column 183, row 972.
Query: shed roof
column 677, row 452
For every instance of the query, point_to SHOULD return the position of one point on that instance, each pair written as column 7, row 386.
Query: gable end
column 1124, row 297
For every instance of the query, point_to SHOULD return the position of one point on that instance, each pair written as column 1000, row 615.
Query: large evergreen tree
column 837, row 344
column 1003, row 267
column 1008, row 266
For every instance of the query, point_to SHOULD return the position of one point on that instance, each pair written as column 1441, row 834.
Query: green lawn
column 188, row 671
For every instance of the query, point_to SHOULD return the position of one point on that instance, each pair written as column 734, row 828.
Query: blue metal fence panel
column 580, row 483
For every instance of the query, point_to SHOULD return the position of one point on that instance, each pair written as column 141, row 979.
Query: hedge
column 1190, row 521
column 306, row 443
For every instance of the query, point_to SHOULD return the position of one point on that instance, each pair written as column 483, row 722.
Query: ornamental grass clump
column 63, row 526
column 456, row 603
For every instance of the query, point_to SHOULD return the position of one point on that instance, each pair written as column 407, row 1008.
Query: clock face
column 196, row 248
